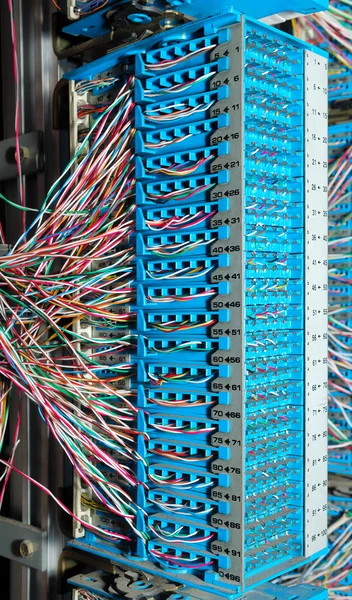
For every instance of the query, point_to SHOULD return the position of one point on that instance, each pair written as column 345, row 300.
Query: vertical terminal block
column 96, row 342
column 231, row 280
column 340, row 226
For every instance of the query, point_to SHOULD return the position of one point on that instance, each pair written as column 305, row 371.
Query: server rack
column 38, row 63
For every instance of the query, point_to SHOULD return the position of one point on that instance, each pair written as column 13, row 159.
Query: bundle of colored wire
column 331, row 569
column 340, row 257
column 331, row 28
column 74, row 272
column 82, row 220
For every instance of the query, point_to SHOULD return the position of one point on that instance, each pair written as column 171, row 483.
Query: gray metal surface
column 233, row 331
column 36, row 455
column 23, row 544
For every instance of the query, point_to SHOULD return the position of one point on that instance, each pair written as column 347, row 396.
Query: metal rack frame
column 37, row 453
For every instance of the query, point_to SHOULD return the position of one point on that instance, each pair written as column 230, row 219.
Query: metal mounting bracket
column 132, row 585
column 23, row 544
column 111, row 28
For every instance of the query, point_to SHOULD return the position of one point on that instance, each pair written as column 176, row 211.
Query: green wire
column 28, row 209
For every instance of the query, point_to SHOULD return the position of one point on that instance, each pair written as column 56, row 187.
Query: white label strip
column 316, row 302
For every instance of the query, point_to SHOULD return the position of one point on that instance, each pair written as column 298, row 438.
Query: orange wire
column 57, row 6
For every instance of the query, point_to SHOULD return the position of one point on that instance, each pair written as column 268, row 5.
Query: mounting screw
column 11, row 155
column 24, row 153
column 26, row 548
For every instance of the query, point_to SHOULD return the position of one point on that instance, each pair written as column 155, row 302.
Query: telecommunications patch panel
column 103, row 585
column 340, row 141
column 229, row 312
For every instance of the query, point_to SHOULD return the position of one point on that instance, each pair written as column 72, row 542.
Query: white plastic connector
column 71, row 9
column 76, row 124
column 84, row 514
column 71, row 5
column 79, row 487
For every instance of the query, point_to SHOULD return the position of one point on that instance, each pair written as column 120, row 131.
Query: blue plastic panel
column 95, row 25
column 205, row 342
column 199, row 8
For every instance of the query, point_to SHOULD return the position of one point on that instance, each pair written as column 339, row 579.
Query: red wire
column 2, row 235
column 18, row 113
